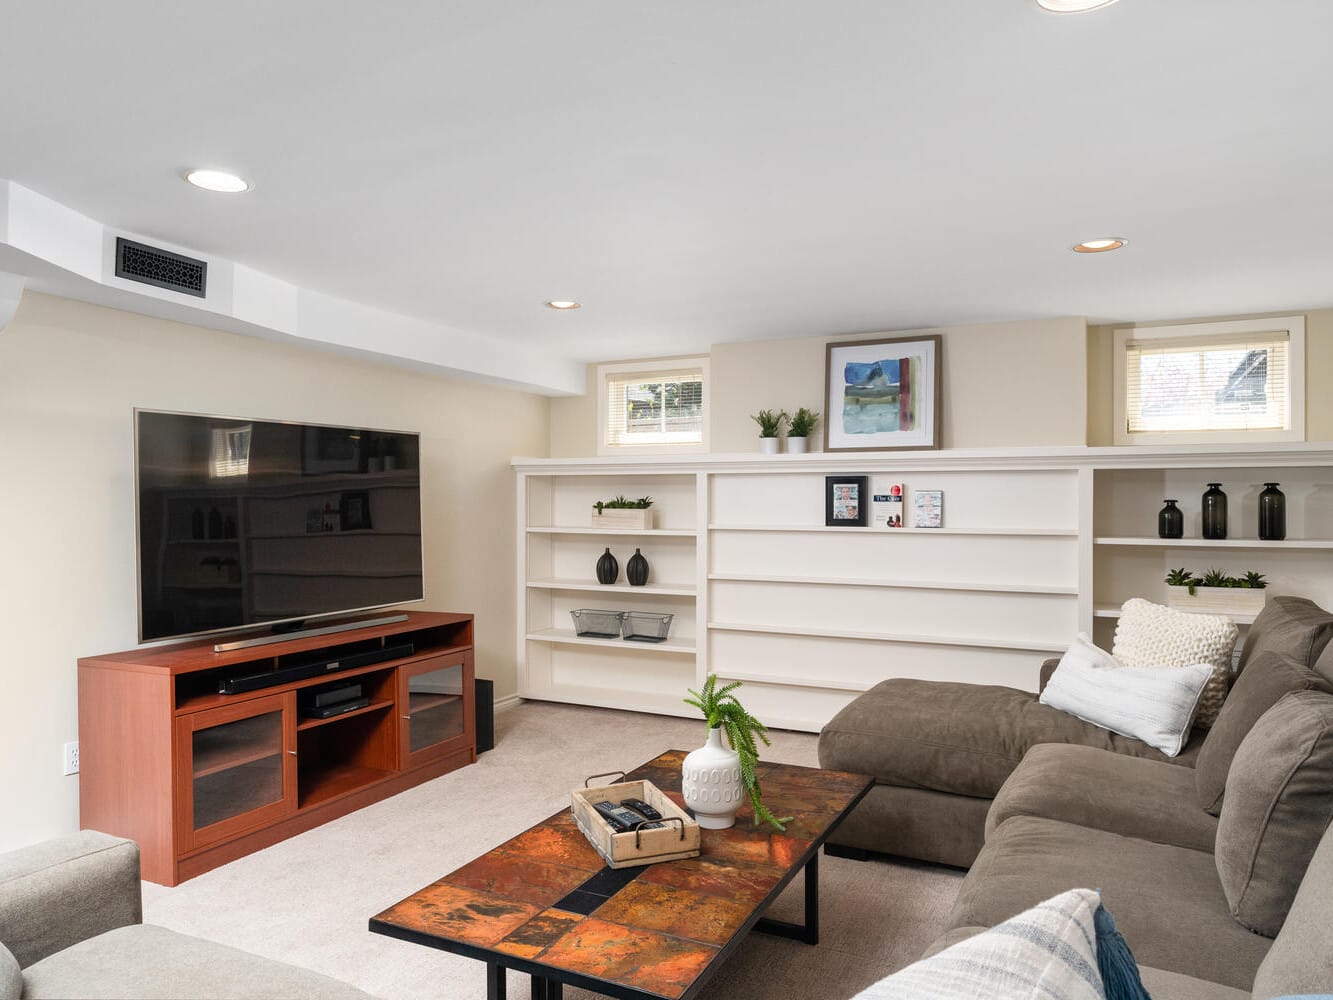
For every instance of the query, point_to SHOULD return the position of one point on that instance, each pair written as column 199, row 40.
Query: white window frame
column 1294, row 326
column 646, row 370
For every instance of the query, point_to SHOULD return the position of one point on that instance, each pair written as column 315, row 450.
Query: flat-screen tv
column 259, row 522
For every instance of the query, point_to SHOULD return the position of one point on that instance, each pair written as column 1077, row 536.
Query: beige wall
column 70, row 375
column 1318, row 374
column 1004, row 384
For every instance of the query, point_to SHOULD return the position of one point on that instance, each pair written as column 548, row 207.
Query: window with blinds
column 653, row 407
column 1222, row 381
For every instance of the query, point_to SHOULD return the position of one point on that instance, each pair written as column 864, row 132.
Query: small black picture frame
column 846, row 501
column 354, row 511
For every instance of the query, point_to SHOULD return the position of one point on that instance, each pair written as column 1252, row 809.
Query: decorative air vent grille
column 155, row 266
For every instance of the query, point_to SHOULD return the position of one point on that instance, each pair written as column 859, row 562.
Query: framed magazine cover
column 881, row 395
column 846, row 501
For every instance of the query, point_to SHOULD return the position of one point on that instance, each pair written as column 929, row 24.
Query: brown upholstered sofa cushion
column 952, row 737
column 1278, row 803
column 1292, row 626
column 1268, row 676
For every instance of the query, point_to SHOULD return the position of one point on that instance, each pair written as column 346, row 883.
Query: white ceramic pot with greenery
column 713, row 778
column 770, row 426
column 802, row 423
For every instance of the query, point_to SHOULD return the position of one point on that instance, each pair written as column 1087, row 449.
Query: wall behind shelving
column 70, row 376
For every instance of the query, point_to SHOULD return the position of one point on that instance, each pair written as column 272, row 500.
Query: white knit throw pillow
column 1152, row 635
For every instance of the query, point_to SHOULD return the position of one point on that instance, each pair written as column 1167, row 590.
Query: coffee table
column 545, row 903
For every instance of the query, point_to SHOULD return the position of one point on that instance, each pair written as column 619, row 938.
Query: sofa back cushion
column 1277, row 805
column 11, row 977
column 1269, row 676
column 1292, row 626
column 1153, row 635
column 1300, row 960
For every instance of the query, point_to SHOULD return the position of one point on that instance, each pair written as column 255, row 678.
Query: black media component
column 322, row 697
column 299, row 672
column 485, row 702
column 642, row 808
column 1214, row 512
column 340, row 708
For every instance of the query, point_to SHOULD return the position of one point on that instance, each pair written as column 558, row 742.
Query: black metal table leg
column 495, row 981
column 808, row 932
column 546, row 989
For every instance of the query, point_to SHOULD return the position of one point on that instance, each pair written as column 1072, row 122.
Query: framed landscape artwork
column 882, row 394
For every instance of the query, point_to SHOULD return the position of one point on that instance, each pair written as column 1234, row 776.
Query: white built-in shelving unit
column 1037, row 544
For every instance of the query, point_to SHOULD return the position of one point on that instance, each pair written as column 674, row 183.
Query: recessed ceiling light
column 1072, row 6
column 562, row 304
column 218, row 180
column 1100, row 246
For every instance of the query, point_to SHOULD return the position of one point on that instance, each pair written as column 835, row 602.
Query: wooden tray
column 678, row 838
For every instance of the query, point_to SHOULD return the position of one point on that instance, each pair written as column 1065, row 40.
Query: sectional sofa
column 1205, row 860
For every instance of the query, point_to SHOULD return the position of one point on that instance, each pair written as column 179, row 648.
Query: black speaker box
column 485, row 694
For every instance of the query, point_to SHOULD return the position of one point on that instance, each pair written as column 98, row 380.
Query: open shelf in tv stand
column 218, row 776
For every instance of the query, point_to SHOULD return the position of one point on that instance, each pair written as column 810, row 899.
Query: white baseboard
column 509, row 701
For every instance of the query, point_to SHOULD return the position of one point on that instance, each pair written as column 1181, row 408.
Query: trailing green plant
column 744, row 732
column 770, row 422
column 802, row 423
column 621, row 503
column 1215, row 578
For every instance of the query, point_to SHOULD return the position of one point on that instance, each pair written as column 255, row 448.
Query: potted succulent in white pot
column 802, row 423
column 770, row 426
column 1216, row 593
column 714, row 776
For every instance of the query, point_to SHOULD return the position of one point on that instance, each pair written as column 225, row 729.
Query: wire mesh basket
column 594, row 624
column 645, row 626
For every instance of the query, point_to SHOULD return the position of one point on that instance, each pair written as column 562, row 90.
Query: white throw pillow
column 1145, row 703
column 1153, row 635
column 1047, row 951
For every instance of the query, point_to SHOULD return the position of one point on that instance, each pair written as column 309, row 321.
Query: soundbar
column 299, row 672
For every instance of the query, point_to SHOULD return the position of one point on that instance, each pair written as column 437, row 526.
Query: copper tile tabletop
column 665, row 930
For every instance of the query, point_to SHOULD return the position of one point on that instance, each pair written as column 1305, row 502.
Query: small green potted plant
column 803, row 421
column 1216, row 593
column 622, row 512
column 736, row 765
column 770, row 426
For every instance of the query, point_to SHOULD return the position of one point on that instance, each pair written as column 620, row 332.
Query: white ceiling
column 697, row 173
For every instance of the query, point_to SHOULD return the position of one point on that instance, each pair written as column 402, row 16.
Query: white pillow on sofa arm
column 1151, row 704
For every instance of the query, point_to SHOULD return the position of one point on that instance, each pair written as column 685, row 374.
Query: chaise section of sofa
column 71, row 926
column 941, row 751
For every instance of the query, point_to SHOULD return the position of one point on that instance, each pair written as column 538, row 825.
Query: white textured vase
column 795, row 445
column 710, row 781
column 768, row 446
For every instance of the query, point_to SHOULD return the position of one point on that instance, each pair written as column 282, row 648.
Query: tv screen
column 252, row 522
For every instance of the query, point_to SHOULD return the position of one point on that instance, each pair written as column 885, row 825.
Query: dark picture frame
column 846, row 501
column 883, row 394
column 330, row 449
column 354, row 511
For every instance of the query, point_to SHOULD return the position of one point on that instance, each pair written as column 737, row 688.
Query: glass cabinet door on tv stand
column 240, row 768
column 432, row 707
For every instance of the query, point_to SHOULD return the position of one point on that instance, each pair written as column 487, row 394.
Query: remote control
column 622, row 820
column 642, row 808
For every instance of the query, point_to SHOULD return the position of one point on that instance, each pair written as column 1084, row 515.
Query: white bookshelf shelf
column 550, row 529
column 1113, row 611
column 897, row 532
column 1290, row 544
column 1036, row 645
column 980, row 586
column 592, row 587
column 566, row 636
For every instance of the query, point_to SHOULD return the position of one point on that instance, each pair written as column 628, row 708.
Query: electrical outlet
column 72, row 757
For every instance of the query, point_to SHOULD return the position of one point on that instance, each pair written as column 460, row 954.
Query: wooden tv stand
column 199, row 778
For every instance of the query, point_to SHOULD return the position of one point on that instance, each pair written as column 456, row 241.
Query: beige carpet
column 307, row 900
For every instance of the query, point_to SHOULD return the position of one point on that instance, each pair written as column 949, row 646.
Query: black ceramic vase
column 1272, row 514
column 1170, row 521
column 1214, row 512
column 607, row 568
column 636, row 570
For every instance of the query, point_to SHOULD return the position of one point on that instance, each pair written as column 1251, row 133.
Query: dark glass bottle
column 1170, row 521
column 214, row 523
column 1214, row 512
column 607, row 568
column 197, row 523
column 636, row 570
column 1272, row 514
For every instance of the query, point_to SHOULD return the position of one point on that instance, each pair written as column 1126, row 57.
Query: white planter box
column 1218, row 600
column 623, row 518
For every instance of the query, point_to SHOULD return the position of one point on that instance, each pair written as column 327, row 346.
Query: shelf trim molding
column 979, row 586
column 1036, row 645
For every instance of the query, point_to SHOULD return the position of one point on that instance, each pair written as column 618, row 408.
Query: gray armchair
column 71, row 925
